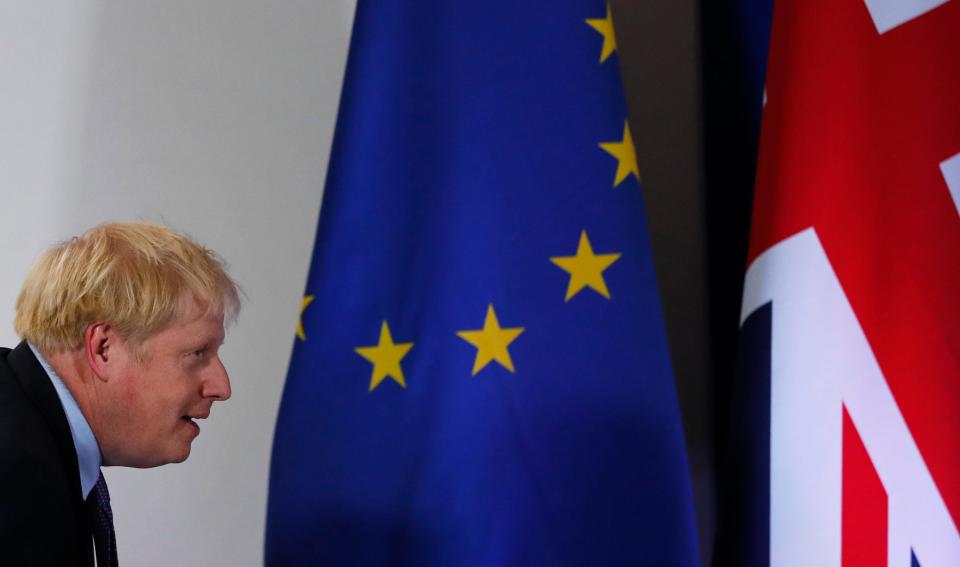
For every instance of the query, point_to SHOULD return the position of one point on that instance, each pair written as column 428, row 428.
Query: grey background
column 215, row 117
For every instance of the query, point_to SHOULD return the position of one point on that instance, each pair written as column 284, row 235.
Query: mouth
column 189, row 419
column 198, row 415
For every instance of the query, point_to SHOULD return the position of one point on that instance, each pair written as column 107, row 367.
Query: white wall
column 215, row 117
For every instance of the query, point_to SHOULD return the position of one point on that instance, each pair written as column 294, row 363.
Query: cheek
column 134, row 410
column 153, row 402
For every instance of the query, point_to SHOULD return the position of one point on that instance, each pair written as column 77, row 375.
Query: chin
column 178, row 456
column 182, row 457
column 147, row 459
column 158, row 460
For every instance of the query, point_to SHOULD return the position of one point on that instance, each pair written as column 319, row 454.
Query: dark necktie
column 101, row 521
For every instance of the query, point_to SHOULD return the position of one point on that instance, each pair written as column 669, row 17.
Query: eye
column 199, row 353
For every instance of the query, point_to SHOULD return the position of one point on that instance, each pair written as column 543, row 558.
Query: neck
column 75, row 373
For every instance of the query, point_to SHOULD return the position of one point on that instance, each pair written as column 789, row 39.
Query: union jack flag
column 851, row 309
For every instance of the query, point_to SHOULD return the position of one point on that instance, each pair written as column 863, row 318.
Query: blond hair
column 131, row 275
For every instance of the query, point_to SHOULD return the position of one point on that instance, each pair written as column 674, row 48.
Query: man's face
column 158, row 397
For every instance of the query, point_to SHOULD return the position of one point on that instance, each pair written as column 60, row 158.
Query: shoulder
column 42, row 516
column 28, row 447
column 20, row 419
column 38, row 514
column 24, row 423
column 29, row 452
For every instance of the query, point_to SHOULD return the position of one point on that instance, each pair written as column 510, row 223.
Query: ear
column 99, row 346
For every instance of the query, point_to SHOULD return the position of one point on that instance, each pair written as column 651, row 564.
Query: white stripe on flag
column 951, row 173
column 821, row 361
column 888, row 14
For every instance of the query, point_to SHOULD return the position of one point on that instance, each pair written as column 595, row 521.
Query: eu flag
column 481, row 375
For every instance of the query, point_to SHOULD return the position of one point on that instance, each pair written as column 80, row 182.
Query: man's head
column 132, row 317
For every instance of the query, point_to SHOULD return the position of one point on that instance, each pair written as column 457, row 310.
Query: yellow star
column 605, row 27
column 491, row 342
column 386, row 357
column 586, row 268
column 307, row 300
column 626, row 156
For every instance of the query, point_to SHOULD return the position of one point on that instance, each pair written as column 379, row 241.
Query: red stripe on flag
column 855, row 128
column 864, row 512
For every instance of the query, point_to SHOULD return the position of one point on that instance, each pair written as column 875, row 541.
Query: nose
column 216, row 385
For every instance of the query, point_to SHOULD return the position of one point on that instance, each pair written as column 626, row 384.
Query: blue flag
column 481, row 374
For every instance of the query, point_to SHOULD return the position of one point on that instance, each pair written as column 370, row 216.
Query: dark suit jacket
column 43, row 518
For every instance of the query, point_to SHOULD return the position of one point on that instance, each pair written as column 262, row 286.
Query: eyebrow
column 205, row 342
